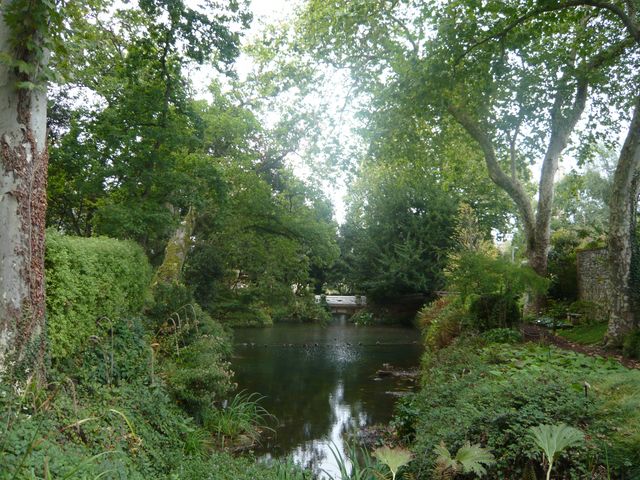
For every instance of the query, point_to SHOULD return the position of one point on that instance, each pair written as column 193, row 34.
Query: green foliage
column 168, row 298
column 195, row 350
column 199, row 374
column 582, row 312
column 496, row 310
column 589, row 334
column 287, row 470
column 441, row 322
column 493, row 395
column 110, row 417
column 131, row 164
column 430, row 312
column 581, row 201
column 394, row 458
column 631, row 344
column 363, row 318
column 302, row 308
column 91, row 284
column 355, row 464
column 239, row 423
column 502, row 335
column 263, row 255
column 397, row 232
column 553, row 440
column 478, row 274
column 562, row 265
column 469, row 459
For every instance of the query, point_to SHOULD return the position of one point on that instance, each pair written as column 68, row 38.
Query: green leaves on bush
column 502, row 335
column 494, row 310
column 478, row 274
column 240, row 422
column 91, row 283
column 443, row 323
column 631, row 344
column 492, row 394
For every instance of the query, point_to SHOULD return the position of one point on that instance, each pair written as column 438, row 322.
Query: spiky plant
column 554, row 439
column 468, row 459
column 353, row 465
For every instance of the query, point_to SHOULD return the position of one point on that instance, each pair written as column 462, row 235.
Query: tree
column 398, row 232
column 516, row 82
column 117, row 170
column 24, row 42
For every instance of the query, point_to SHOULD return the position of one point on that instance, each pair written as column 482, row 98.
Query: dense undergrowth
column 111, row 416
column 136, row 396
column 490, row 389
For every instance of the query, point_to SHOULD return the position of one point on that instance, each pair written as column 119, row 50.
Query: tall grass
column 241, row 422
column 354, row 464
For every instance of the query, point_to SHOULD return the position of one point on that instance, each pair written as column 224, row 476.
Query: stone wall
column 593, row 275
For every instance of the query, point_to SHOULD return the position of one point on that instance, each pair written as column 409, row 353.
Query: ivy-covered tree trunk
column 23, row 178
column 622, row 208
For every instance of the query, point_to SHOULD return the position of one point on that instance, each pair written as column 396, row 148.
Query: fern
column 553, row 439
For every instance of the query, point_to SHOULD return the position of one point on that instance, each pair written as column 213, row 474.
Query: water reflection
column 319, row 383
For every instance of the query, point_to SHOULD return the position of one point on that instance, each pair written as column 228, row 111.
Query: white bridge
column 347, row 304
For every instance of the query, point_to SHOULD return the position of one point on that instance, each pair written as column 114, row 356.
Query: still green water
column 320, row 382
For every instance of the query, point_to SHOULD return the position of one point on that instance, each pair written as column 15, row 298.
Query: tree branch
column 632, row 28
column 512, row 186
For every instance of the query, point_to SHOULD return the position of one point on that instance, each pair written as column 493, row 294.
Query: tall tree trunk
column 176, row 251
column 23, row 179
column 622, row 210
column 536, row 226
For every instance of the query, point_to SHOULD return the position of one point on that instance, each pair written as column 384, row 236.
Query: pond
column 321, row 382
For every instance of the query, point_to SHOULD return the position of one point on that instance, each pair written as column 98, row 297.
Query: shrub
column 126, row 429
column 475, row 274
column 502, row 335
column 240, row 422
column 199, row 374
column 430, row 312
column 443, row 323
column 494, row 310
column 302, row 309
column 631, row 344
column 168, row 298
column 363, row 317
column 562, row 267
column 91, row 283
column 493, row 394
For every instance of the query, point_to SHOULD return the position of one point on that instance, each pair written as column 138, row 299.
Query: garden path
column 540, row 334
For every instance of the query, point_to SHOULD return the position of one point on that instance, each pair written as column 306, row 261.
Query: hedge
column 91, row 282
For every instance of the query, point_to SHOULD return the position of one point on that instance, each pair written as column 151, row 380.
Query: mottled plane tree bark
column 23, row 181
